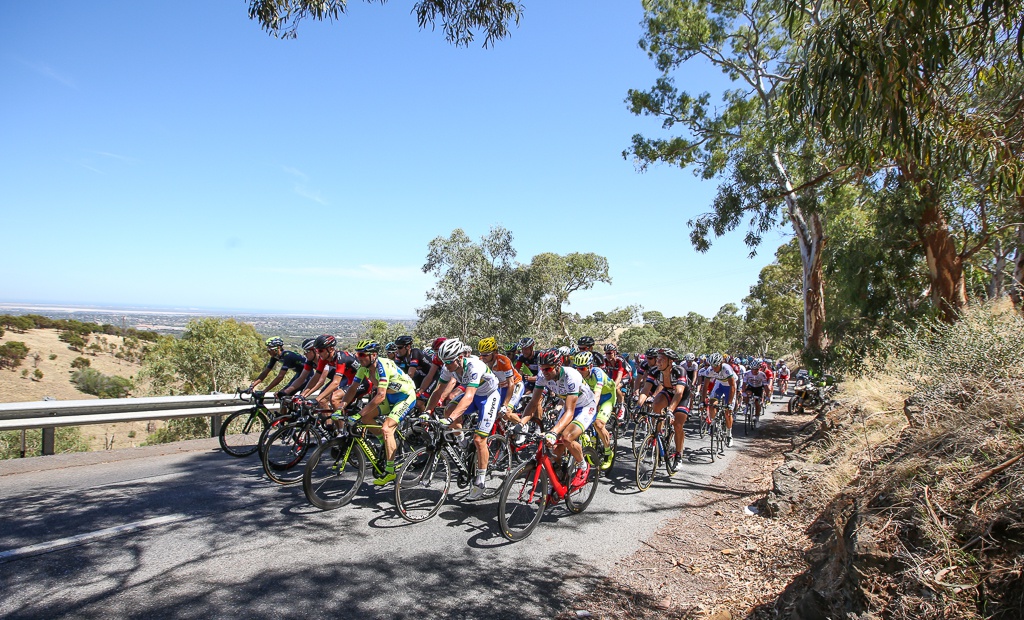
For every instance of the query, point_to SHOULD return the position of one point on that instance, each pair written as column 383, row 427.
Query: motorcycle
column 808, row 395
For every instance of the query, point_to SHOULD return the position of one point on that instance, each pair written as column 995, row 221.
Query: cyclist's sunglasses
column 362, row 354
column 549, row 368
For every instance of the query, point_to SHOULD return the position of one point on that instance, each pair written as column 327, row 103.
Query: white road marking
column 80, row 539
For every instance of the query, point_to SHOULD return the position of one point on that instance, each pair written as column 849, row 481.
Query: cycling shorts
column 398, row 405
column 517, row 395
column 486, row 408
column 681, row 407
column 755, row 391
column 724, row 393
column 604, row 408
column 583, row 417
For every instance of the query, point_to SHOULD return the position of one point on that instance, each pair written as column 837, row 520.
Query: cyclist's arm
column 378, row 398
column 350, row 394
column 463, row 404
column 678, row 391
column 259, row 379
column 536, row 402
column 314, row 384
column 440, row 393
column 298, row 382
column 277, row 379
column 430, row 375
column 331, row 387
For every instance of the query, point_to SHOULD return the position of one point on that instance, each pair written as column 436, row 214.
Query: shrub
column 80, row 362
column 37, row 375
column 74, row 340
column 92, row 381
column 66, row 439
column 53, row 356
column 12, row 353
column 24, row 374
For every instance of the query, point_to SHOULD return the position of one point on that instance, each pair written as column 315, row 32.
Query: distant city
column 293, row 328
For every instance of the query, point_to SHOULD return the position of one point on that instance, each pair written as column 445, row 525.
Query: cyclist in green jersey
column 394, row 396
column 602, row 385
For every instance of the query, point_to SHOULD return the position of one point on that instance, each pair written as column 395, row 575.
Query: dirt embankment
column 56, row 381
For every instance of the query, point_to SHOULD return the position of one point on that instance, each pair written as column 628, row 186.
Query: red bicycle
column 539, row 482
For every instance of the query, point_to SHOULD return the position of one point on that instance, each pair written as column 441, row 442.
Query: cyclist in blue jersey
column 289, row 360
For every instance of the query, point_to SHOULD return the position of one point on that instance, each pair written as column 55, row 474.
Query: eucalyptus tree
column 768, row 170
column 933, row 90
column 460, row 20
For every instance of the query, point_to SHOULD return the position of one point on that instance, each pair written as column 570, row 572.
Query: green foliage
column 774, row 307
column 80, row 362
column 74, row 339
column 52, row 356
column 383, row 331
column 12, row 353
column 213, row 355
column 483, row 291
column 461, row 20
column 17, row 324
column 37, row 375
column 66, row 439
column 92, row 381
column 180, row 429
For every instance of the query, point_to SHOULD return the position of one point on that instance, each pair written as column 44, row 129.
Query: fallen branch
column 998, row 468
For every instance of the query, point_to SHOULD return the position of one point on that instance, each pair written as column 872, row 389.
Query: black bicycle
column 240, row 431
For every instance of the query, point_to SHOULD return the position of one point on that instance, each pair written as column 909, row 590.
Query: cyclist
column 725, row 391
column 753, row 385
column 481, row 397
column 526, row 363
column 289, row 361
column 600, row 384
column 672, row 396
column 577, row 414
column 783, row 371
column 430, row 376
column 613, row 364
column 586, row 343
column 335, row 369
column 646, row 360
column 510, row 382
column 766, row 368
column 410, row 360
column 394, row 397
column 390, row 349
column 302, row 379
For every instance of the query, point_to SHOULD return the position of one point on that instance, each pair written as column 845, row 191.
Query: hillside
column 56, row 382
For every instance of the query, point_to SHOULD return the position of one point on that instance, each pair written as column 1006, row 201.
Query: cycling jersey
column 413, row 361
column 343, row 362
column 598, row 376
column 528, row 367
column 504, row 371
column 569, row 383
column 753, row 379
column 385, row 372
column 473, row 372
column 290, row 360
column 722, row 376
column 614, row 366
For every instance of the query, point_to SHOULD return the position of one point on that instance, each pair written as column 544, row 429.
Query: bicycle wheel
column 647, row 462
column 334, row 473
column 522, row 500
column 272, row 425
column 641, row 432
column 286, row 451
column 422, row 484
column 712, row 435
column 240, row 432
column 578, row 498
column 499, row 463
column 669, row 443
column 748, row 413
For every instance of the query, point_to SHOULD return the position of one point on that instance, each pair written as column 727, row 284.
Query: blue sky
column 175, row 155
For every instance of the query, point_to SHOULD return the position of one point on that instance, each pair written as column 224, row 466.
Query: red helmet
column 437, row 343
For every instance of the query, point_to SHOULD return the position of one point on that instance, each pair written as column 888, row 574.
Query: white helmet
column 564, row 351
column 450, row 349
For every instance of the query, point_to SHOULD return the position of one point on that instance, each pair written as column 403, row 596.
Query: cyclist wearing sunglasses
column 600, row 383
column 579, row 411
column 510, row 382
column 394, row 397
column 334, row 369
column 481, row 397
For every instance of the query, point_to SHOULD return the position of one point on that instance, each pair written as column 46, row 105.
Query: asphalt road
column 196, row 534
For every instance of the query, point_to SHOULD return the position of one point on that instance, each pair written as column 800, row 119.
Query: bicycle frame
column 544, row 460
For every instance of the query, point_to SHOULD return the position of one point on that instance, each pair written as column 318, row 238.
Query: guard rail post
column 49, row 435
column 214, row 426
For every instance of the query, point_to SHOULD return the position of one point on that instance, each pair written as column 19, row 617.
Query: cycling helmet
column 670, row 354
column 564, row 351
column 275, row 342
column 585, row 341
column 715, row 359
column 511, row 348
column 368, row 346
column 428, row 353
column 487, row 345
column 610, row 347
column 550, row 357
column 527, row 342
column 437, row 343
column 391, row 347
column 403, row 341
column 598, row 359
column 324, row 341
column 689, row 357
column 467, row 349
column 307, row 344
column 651, row 353
column 450, row 350
column 703, row 358
column 585, row 358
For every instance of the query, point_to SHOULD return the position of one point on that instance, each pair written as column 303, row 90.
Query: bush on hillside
column 66, row 439
column 12, row 353
column 80, row 362
column 92, row 381
column 180, row 429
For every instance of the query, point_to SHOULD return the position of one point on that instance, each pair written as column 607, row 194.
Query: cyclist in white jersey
column 754, row 382
column 579, row 411
column 725, row 391
column 481, row 396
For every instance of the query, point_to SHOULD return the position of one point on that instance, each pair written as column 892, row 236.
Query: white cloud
column 300, row 188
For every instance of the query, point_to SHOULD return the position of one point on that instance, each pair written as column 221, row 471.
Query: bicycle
column 751, row 413
column 337, row 468
column 240, row 431
column 290, row 443
column 655, row 448
column 535, row 483
column 642, row 427
column 716, row 430
column 590, row 439
column 423, row 481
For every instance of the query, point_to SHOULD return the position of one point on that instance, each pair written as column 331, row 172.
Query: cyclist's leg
column 604, row 412
column 583, row 417
column 487, row 407
column 680, row 416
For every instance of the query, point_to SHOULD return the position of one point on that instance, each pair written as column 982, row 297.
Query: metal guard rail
column 53, row 413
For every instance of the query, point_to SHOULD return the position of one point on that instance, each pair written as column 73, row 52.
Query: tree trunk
column 810, row 234
column 945, row 265
column 995, row 288
column 1017, row 286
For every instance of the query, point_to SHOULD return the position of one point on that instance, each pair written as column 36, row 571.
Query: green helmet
column 275, row 342
column 368, row 346
column 583, row 358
